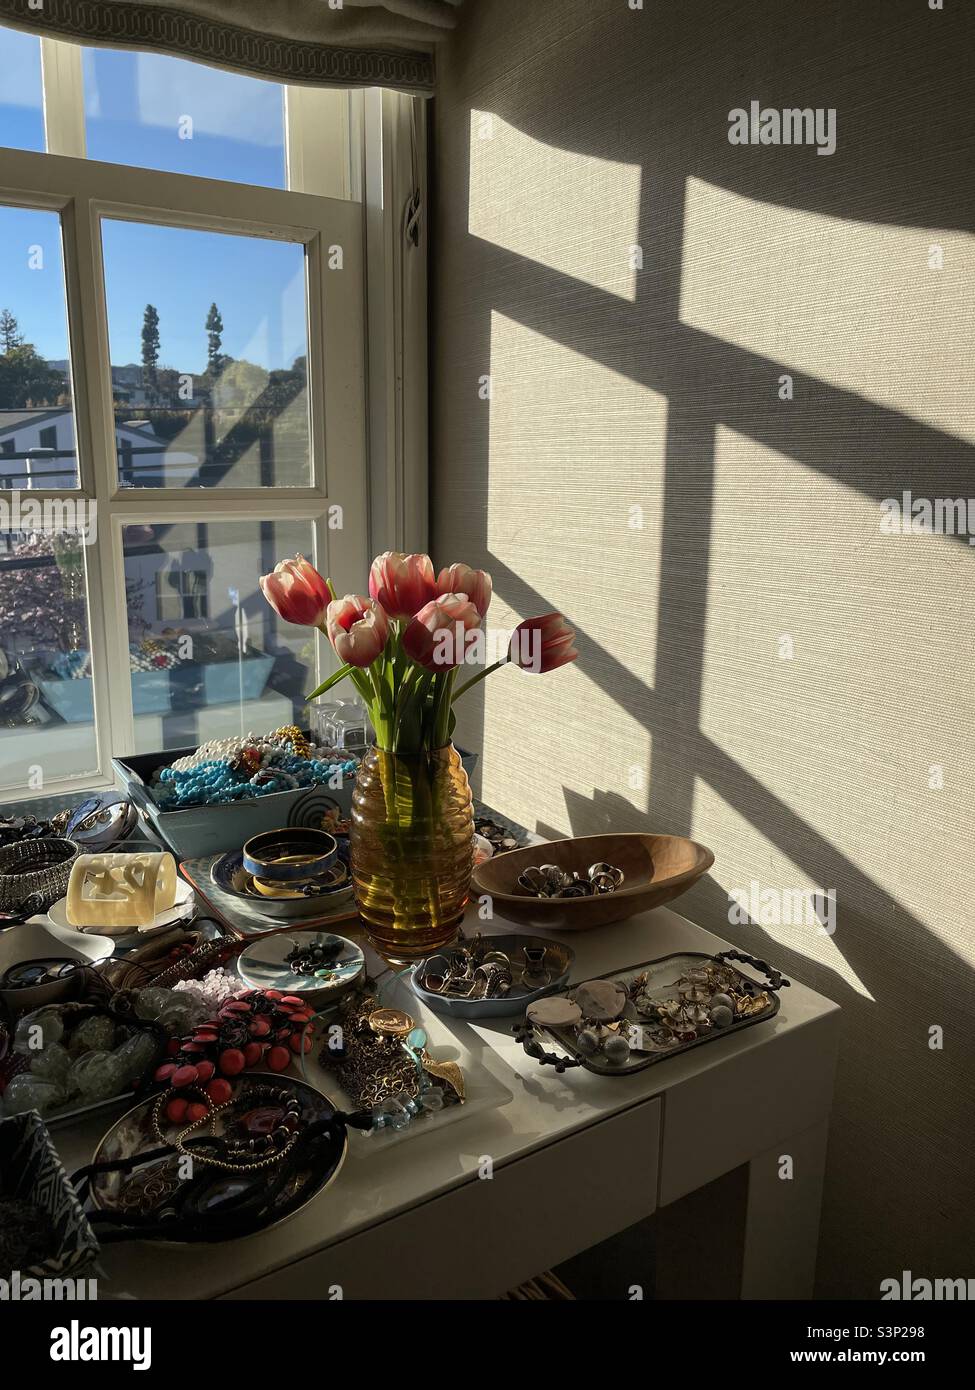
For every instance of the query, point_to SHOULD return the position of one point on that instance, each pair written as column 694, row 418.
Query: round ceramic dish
column 39, row 940
column 31, row 867
column 289, row 855
column 263, row 965
column 134, row 1134
column 229, row 875
column 558, row 962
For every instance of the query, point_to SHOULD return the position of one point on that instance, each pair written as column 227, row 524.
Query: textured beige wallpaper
column 761, row 666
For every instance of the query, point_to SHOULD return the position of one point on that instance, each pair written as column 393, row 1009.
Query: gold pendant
column 391, row 1023
column 445, row 1071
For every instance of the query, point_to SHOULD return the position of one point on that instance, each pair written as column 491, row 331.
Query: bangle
column 109, row 890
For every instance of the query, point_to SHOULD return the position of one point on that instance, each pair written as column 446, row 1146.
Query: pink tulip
column 297, row 592
column 461, row 579
column 542, row 644
column 402, row 583
column 357, row 628
column 436, row 638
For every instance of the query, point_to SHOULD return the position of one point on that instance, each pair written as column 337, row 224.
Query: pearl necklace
column 227, row 749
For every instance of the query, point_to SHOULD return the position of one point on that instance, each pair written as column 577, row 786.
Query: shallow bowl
column 657, row 869
column 513, row 1004
column 41, row 939
column 263, row 965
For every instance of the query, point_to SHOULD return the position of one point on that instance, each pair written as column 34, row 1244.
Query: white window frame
column 82, row 192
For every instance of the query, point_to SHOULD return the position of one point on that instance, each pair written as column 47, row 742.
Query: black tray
column 529, row 1034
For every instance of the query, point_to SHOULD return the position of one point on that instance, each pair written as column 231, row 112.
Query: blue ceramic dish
column 229, row 875
column 560, row 959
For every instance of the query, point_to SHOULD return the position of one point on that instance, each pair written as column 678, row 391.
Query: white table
column 575, row 1159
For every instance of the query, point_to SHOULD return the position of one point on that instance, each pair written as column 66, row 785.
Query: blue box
column 200, row 830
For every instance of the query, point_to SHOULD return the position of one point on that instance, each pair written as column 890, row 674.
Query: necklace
column 263, row 1144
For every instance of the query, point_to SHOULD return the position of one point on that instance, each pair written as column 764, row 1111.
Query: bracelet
column 109, row 890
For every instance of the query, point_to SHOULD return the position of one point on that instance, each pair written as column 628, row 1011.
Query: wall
column 760, row 665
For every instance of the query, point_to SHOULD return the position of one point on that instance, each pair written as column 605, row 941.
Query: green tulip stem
column 479, row 677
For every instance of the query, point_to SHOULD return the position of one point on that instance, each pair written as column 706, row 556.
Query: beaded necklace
column 224, row 770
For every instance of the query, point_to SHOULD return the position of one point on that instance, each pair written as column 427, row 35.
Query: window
column 222, row 399
column 21, row 96
column 180, row 594
column 181, row 405
column 35, row 385
column 164, row 113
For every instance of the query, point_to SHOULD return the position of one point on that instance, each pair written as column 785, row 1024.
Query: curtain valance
column 331, row 43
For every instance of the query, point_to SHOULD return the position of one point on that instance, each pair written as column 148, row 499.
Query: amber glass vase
column 412, row 842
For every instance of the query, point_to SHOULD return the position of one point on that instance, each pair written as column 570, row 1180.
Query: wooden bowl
column 657, row 868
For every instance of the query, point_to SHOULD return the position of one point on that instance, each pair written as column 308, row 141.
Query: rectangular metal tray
column 667, row 969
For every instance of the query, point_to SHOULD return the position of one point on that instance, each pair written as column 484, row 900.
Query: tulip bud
column 357, row 628
column 401, row 583
column 542, row 644
column 461, row 579
column 436, row 638
column 296, row 592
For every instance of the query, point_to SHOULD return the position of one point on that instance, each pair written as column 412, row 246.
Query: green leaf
column 332, row 680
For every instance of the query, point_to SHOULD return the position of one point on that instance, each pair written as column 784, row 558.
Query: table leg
column 785, row 1187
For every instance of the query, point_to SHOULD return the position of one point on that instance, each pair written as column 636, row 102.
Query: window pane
column 166, row 113
column 37, row 439
column 21, row 98
column 46, row 709
column 209, row 656
column 208, row 346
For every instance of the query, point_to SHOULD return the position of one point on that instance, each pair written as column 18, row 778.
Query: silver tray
column 666, row 970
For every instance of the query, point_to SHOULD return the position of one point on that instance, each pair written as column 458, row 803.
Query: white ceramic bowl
column 41, row 939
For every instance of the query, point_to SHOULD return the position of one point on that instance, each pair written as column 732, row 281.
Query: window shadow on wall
column 901, row 90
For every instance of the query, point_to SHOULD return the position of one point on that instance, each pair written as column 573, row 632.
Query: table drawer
column 490, row 1234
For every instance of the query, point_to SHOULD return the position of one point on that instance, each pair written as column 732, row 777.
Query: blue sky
column 136, row 108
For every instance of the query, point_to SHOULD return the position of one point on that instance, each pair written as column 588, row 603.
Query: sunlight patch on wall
column 860, row 306
column 576, row 486
column 775, row 894
column 822, row 638
column 574, row 515
column 565, row 745
column 575, row 213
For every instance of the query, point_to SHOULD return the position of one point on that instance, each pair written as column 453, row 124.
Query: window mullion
column 317, row 144
column 88, row 330
column 64, row 98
